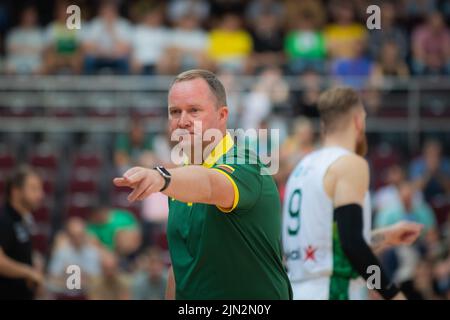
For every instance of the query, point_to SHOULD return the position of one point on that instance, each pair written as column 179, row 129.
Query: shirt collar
column 219, row 150
column 224, row 145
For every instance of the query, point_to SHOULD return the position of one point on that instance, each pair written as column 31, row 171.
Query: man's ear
column 358, row 120
column 223, row 113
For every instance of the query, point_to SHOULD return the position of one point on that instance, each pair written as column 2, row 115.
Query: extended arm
column 195, row 184
column 352, row 181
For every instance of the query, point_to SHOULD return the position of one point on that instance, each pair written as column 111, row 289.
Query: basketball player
column 327, row 215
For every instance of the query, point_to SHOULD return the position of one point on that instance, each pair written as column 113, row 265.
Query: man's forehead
column 187, row 86
column 189, row 92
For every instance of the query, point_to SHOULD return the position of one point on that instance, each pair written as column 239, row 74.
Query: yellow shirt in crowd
column 225, row 45
column 341, row 40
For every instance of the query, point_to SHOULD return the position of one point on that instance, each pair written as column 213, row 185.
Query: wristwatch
column 165, row 174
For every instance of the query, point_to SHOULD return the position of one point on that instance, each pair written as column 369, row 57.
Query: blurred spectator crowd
column 83, row 220
column 241, row 36
column 121, row 247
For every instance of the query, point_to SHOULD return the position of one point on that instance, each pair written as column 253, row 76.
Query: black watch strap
column 166, row 175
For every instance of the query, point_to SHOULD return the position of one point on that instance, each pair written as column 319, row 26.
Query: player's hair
column 211, row 79
column 335, row 103
column 17, row 179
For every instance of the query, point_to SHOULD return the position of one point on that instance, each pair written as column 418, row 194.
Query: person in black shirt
column 267, row 37
column 18, row 278
column 304, row 97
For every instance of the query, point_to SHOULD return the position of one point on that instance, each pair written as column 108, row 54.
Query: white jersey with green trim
column 310, row 240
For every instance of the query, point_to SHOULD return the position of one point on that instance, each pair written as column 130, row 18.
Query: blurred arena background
column 82, row 106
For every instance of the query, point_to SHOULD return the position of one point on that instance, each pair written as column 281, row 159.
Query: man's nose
column 184, row 121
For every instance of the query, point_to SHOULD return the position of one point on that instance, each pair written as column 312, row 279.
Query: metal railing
column 413, row 98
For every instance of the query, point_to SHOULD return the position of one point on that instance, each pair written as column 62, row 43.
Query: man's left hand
column 402, row 233
column 143, row 181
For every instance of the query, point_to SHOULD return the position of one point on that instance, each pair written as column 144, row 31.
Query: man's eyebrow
column 189, row 106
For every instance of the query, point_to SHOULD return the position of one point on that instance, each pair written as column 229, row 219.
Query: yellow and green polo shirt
column 235, row 253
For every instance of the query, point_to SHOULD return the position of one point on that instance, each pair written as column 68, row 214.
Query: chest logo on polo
column 225, row 167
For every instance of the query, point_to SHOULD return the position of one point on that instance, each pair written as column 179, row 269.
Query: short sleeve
column 246, row 180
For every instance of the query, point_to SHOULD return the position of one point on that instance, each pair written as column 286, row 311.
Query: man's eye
column 174, row 112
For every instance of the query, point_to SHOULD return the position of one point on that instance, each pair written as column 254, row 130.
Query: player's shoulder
column 355, row 159
column 351, row 163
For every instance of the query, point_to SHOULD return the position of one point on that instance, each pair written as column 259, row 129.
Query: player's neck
column 344, row 140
